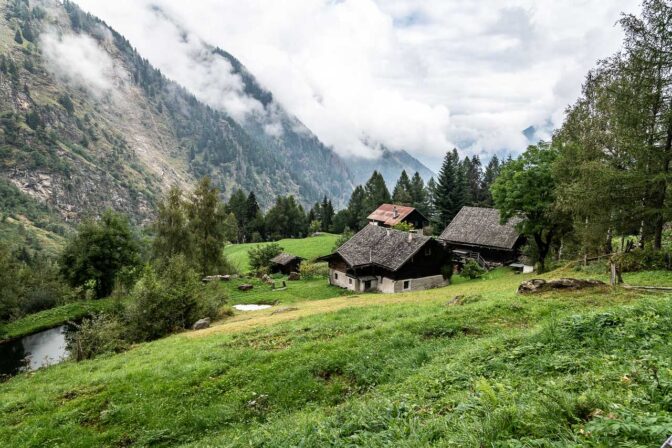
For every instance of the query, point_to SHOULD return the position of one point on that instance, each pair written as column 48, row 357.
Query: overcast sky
column 422, row 75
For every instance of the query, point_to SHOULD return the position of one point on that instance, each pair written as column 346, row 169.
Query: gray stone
column 201, row 324
column 245, row 287
column 294, row 276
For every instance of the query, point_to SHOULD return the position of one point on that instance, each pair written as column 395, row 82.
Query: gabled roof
column 387, row 248
column 478, row 226
column 284, row 259
column 391, row 214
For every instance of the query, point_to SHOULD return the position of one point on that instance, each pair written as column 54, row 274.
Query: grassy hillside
column 587, row 368
column 308, row 248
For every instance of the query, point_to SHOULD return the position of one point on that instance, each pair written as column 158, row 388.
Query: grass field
column 308, row 248
column 587, row 368
column 52, row 318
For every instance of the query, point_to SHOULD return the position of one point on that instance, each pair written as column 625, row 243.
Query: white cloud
column 421, row 75
column 80, row 61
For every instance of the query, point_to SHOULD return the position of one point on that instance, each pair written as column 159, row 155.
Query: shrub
column 309, row 269
column 642, row 260
column 472, row 270
column 345, row 236
column 260, row 255
column 95, row 336
column 170, row 301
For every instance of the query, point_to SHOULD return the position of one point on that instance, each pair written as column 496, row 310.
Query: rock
column 224, row 278
column 284, row 309
column 245, row 287
column 294, row 276
column 267, row 279
column 201, row 324
column 539, row 285
column 457, row 300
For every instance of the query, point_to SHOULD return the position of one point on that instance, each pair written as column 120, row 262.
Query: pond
column 33, row 351
column 250, row 307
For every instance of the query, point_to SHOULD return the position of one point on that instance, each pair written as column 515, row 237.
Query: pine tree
column 431, row 199
column 376, row 192
column 402, row 191
column 326, row 215
column 239, row 207
column 17, row 37
column 489, row 177
column 419, row 196
column 206, row 225
column 450, row 189
column 171, row 227
column 474, row 180
column 357, row 209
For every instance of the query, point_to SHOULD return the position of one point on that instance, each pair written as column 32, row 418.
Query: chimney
column 395, row 213
column 410, row 237
column 388, row 232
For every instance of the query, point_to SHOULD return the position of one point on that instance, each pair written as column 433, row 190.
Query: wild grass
column 586, row 368
column 308, row 248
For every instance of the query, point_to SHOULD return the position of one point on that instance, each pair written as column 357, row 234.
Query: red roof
column 390, row 214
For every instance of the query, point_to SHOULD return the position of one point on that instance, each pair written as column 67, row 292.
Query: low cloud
column 80, row 61
column 420, row 75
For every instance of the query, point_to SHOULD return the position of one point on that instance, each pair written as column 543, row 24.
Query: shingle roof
column 478, row 226
column 386, row 214
column 284, row 258
column 387, row 248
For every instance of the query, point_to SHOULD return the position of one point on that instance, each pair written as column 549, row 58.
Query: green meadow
column 492, row 368
column 308, row 248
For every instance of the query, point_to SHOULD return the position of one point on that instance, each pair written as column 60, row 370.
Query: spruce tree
column 357, row 209
column 450, row 190
column 489, row 176
column 17, row 37
column 326, row 215
column 402, row 191
column 376, row 192
column 419, row 196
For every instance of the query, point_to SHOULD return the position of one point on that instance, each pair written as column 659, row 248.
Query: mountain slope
column 120, row 133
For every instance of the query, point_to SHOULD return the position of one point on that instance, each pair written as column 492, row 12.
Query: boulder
column 267, row 279
column 294, row 276
column 201, row 324
column 245, row 287
column 539, row 285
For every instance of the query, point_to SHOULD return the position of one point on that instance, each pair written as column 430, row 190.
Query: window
column 350, row 281
column 428, row 251
column 335, row 275
column 407, row 284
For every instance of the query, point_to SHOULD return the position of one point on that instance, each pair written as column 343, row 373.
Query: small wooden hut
column 285, row 263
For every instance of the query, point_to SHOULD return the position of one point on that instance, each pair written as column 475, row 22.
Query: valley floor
column 587, row 368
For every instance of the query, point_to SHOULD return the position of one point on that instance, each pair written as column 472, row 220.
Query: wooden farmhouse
column 388, row 260
column 389, row 215
column 476, row 233
column 285, row 263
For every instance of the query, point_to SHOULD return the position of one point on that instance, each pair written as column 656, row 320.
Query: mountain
column 390, row 165
column 86, row 123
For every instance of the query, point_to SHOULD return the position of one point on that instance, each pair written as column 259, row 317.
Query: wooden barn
column 285, row 263
column 476, row 233
column 388, row 260
column 389, row 215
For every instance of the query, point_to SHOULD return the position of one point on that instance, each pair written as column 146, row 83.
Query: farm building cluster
column 380, row 258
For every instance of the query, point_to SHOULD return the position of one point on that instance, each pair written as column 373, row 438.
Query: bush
column 642, row 260
column 342, row 239
column 95, row 336
column 472, row 270
column 309, row 269
column 170, row 301
column 260, row 255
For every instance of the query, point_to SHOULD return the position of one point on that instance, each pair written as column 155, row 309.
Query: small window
column 428, row 251
column 350, row 281
column 407, row 284
column 335, row 275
